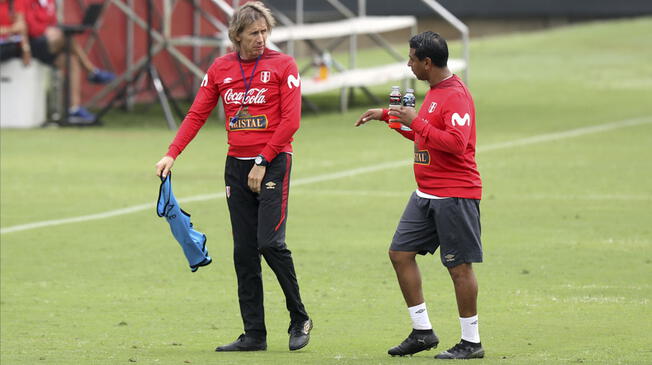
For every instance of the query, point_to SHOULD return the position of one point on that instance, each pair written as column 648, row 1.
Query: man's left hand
column 405, row 114
column 255, row 178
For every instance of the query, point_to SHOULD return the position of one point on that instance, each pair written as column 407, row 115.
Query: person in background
column 261, row 93
column 444, row 212
column 14, row 41
column 47, row 44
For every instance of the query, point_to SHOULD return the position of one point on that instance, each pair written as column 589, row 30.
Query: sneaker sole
column 434, row 346
column 475, row 355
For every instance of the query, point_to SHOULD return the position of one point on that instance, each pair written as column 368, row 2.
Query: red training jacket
column 273, row 102
column 444, row 142
column 39, row 14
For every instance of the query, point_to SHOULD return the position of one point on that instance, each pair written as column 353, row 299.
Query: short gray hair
column 248, row 14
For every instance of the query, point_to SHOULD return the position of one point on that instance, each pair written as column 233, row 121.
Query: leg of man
column 466, row 289
column 95, row 75
column 82, row 57
column 458, row 222
column 75, row 80
column 272, row 218
column 55, row 38
column 408, row 275
column 415, row 234
column 243, row 209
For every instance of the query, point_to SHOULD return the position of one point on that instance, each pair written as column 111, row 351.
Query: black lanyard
column 244, row 78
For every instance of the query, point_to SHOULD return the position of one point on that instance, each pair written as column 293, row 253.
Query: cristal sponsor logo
column 294, row 81
column 421, row 157
column 265, row 76
column 254, row 96
column 456, row 119
column 270, row 185
column 432, row 107
column 249, row 123
column 449, row 257
column 204, row 81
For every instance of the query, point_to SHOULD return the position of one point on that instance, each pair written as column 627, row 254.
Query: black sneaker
column 463, row 350
column 244, row 343
column 299, row 334
column 418, row 340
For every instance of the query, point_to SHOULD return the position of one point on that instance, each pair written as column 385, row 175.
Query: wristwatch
column 260, row 161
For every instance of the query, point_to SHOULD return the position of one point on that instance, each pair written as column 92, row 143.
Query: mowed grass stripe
column 548, row 137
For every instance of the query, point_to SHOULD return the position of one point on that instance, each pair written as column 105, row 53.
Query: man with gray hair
column 261, row 93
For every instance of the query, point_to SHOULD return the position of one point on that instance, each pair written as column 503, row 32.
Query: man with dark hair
column 261, row 93
column 444, row 211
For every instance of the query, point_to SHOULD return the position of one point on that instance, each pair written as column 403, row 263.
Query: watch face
column 258, row 160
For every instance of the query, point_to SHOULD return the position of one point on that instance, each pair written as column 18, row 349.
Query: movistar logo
column 456, row 119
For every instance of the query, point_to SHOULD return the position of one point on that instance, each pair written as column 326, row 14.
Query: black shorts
column 450, row 223
column 9, row 50
column 39, row 46
column 41, row 50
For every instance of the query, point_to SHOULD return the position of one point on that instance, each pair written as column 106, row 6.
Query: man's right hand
column 371, row 114
column 163, row 167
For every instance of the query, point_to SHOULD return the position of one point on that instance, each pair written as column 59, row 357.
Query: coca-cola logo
column 254, row 96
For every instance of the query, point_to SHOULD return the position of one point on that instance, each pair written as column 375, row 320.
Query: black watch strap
column 260, row 161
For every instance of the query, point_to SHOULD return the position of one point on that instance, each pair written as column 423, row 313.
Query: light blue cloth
column 192, row 242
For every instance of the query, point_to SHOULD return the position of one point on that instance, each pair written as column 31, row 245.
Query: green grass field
column 567, row 228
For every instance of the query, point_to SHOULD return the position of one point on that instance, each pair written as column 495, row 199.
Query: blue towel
column 192, row 242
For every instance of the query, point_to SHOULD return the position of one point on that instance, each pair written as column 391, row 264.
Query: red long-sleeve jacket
column 444, row 142
column 273, row 104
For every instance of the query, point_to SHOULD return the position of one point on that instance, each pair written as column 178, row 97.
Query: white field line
column 342, row 174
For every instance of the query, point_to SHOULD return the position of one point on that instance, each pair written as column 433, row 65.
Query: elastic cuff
column 173, row 152
column 385, row 116
column 267, row 154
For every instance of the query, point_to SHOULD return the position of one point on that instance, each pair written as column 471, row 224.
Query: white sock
column 419, row 315
column 470, row 331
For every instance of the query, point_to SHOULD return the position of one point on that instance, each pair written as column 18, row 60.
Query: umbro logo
column 270, row 185
column 449, row 257
column 420, row 311
column 227, row 80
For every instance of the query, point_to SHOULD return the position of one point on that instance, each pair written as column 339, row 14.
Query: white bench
column 23, row 94
column 367, row 76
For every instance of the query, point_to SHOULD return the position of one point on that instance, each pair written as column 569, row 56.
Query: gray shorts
column 451, row 223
